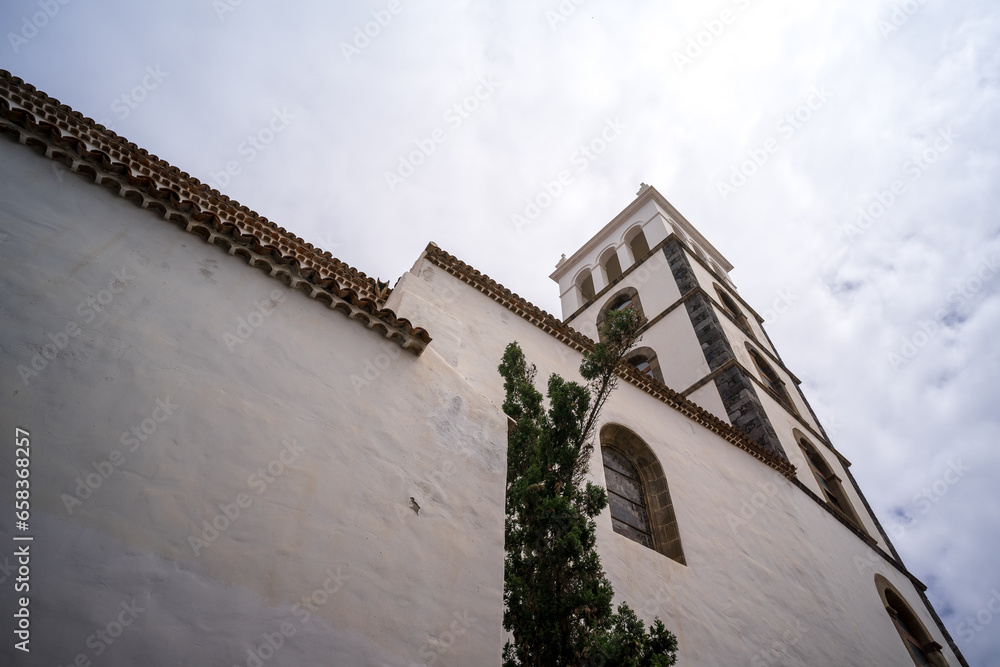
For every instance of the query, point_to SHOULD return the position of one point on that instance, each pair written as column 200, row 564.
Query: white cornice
column 645, row 195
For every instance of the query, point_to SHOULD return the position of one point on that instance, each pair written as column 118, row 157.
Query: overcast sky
column 842, row 155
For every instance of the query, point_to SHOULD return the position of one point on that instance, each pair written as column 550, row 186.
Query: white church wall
column 766, row 566
column 298, row 433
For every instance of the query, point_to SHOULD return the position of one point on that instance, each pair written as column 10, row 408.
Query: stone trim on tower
column 743, row 406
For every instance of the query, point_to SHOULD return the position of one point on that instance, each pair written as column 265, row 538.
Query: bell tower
column 700, row 338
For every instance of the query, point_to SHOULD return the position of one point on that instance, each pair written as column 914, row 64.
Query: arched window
column 638, row 245
column 922, row 649
column 833, row 490
column 612, row 267
column 638, row 496
column 620, row 300
column 771, row 380
column 645, row 360
column 585, row 283
column 734, row 311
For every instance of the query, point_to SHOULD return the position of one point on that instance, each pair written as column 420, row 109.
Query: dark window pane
column 631, row 533
column 627, row 488
column 629, row 513
column 618, row 462
column 625, row 497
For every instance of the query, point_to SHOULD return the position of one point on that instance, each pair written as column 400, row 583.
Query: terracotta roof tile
column 33, row 118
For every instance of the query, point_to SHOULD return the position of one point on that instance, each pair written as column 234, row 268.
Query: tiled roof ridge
column 31, row 117
column 581, row 343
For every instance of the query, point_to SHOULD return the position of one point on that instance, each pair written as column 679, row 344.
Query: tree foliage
column 558, row 602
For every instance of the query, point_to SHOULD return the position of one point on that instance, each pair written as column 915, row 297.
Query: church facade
column 224, row 470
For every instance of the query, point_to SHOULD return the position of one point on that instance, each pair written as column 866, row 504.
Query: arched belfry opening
column 641, row 509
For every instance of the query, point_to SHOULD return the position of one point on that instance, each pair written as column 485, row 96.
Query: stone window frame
column 772, row 381
column 730, row 306
column 660, row 509
column 647, row 354
column 829, row 483
column 906, row 623
column 616, row 300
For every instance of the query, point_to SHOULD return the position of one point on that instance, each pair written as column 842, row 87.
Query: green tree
column 558, row 603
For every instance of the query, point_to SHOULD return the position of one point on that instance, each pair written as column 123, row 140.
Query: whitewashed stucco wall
column 331, row 520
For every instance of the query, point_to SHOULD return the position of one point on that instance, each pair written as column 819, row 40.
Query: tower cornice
column 646, row 194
